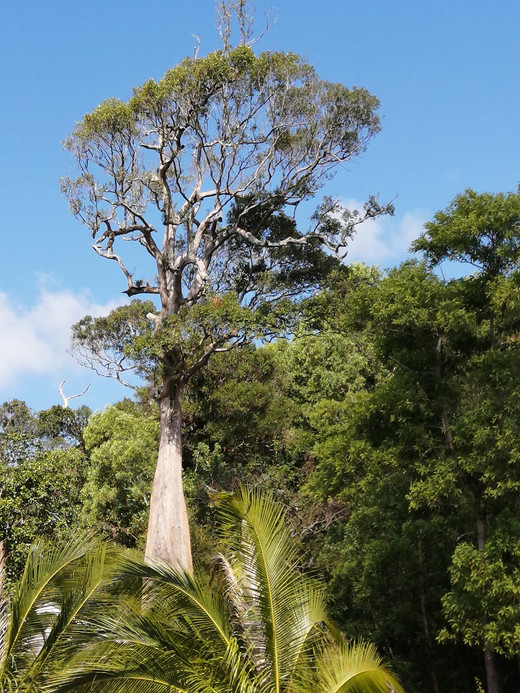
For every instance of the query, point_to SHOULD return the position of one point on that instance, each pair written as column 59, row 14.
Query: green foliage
column 122, row 443
column 426, row 457
column 60, row 427
column 479, row 229
column 111, row 342
column 385, row 565
column 127, row 342
column 15, row 416
column 238, row 405
column 39, row 497
column 292, row 270
column 260, row 625
column 18, row 438
column 42, row 469
column 189, row 89
column 329, row 366
column 48, row 614
column 483, row 605
column 197, row 81
column 270, row 104
column 379, row 445
column 237, row 428
column 111, row 117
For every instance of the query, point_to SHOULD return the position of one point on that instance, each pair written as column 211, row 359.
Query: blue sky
column 446, row 73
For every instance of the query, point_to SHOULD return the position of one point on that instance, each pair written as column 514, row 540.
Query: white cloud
column 384, row 241
column 34, row 339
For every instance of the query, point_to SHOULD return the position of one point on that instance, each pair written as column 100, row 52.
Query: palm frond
column 349, row 668
column 75, row 603
column 76, row 625
column 119, row 666
column 140, row 664
column 287, row 606
column 4, row 610
column 50, row 612
column 173, row 631
column 245, row 626
column 2, row 569
column 27, row 618
column 43, row 564
column 201, row 610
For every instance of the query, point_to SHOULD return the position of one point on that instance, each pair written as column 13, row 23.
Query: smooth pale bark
column 168, row 537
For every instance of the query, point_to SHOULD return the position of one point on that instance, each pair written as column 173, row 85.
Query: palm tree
column 46, row 616
column 259, row 627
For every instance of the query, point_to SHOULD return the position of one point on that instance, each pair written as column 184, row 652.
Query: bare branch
column 65, row 399
column 197, row 47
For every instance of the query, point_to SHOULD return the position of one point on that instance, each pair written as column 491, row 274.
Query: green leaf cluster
column 50, row 613
column 42, row 469
column 483, row 604
column 122, row 443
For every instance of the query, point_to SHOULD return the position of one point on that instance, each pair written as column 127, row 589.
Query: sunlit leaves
column 483, row 604
column 481, row 229
column 47, row 615
column 122, row 444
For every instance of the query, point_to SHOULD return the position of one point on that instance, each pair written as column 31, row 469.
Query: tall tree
column 482, row 434
column 212, row 157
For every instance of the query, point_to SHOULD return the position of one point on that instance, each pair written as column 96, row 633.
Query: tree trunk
column 492, row 677
column 168, row 537
column 448, row 438
column 426, row 627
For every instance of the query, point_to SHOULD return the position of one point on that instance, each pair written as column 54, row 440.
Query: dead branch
column 65, row 399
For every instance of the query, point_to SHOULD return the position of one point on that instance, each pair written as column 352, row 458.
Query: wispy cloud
column 384, row 241
column 35, row 338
